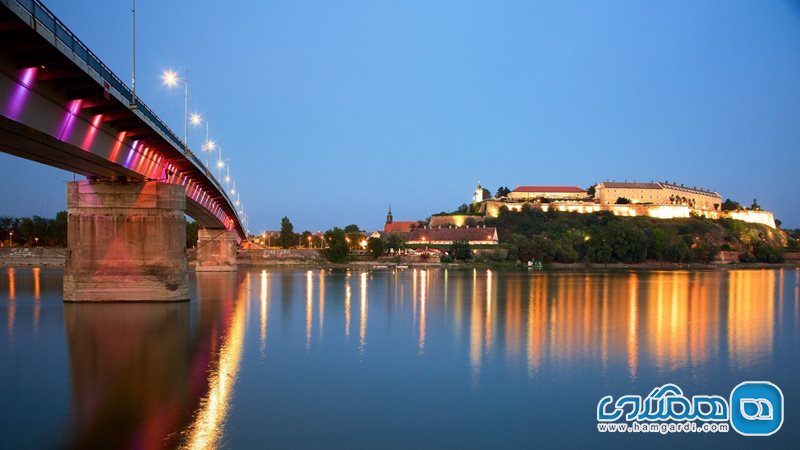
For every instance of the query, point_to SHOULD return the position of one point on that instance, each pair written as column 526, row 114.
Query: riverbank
column 302, row 259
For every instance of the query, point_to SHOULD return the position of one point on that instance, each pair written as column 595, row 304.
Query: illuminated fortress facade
column 661, row 200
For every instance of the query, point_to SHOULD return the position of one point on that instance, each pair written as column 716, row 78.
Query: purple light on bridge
column 17, row 101
column 68, row 122
column 130, row 155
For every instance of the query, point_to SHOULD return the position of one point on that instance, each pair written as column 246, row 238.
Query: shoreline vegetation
column 553, row 240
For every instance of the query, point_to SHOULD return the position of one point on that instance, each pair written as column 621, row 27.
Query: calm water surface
column 412, row 359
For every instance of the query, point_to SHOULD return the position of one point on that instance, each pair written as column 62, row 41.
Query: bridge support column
column 216, row 250
column 126, row 242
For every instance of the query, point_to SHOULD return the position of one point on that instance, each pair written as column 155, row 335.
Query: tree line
column 34, row 231
column 602, row 237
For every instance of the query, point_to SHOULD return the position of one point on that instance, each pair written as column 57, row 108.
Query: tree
column 305, row 238
column 59, row 230
column 730, row 205
column 487, row 194
column 502, row 191
column 337, row 245
column 286, row 237
column 622, row 201
column 395, row 242
column 463, row 208
column 192, row 229
column 461, row 250
column 376, row 247
column 591, row 191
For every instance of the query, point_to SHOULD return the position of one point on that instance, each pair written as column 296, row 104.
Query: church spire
column 389, row 217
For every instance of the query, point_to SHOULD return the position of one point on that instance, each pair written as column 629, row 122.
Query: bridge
column 61, row 106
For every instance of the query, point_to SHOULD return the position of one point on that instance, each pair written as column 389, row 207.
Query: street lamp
column 171, row 79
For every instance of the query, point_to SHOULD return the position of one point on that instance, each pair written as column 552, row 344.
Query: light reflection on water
column 181, row 375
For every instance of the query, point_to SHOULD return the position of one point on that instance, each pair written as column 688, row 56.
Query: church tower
column 389, row 217
column 477, row 197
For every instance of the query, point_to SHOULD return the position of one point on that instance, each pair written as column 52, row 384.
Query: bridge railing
column 45, row 17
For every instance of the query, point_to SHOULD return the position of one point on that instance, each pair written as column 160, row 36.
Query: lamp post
column 10, row 238
column 171, row 79
column 220, row 162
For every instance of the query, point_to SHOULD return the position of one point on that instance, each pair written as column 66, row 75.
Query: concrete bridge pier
column 126, row 242
column 216, row 250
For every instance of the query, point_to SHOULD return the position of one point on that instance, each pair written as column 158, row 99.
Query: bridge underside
column 25, row 142
column 61, row 106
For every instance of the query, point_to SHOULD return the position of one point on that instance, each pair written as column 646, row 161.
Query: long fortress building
column 657, row 193
column 655, row 199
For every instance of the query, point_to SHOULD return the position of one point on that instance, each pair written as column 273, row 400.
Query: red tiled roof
column 453, row 234
column 564, row 189
column 399, row 227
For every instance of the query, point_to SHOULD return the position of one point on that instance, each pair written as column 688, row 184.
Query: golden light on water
column 347, row 296
column 37, row 296
column 309, row 306
column 633, row 325
column 207, row 429
column 751, row 312
column 12, row 308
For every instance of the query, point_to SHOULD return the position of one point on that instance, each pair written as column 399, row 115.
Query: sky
column 331, row 111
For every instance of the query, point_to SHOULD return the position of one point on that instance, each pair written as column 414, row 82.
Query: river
column 389, row 359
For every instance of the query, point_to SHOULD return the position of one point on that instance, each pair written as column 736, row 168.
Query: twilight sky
column 330, row 111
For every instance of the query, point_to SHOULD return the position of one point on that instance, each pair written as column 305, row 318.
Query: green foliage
column 767, row 253
column 664, row 244
column 446, row 258
column 623, row 201
column 591, row 191
column 376, row 246
column 502, row 191
column 463, row 209
column 395, row 242
column 286, row 238
column 31, row 231
column 337, row 250
column 604, row 238
column 730, row 205
column 306, row 238
column 704, row 251
column 461, row 250
column 192, row 228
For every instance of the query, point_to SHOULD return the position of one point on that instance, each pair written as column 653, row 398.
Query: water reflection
column 163, row 375
column 155, row 375
column 362, row 331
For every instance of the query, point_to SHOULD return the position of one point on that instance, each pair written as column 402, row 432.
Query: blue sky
column 330, row 111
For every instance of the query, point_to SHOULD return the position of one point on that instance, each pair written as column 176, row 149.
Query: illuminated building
column 657, row 193
column 446, row 236
column 548, row 192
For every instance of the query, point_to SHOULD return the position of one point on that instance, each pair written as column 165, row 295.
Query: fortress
column 661, row 200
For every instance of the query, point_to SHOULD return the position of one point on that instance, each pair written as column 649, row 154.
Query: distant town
column 484, row 227
column 657, row 221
